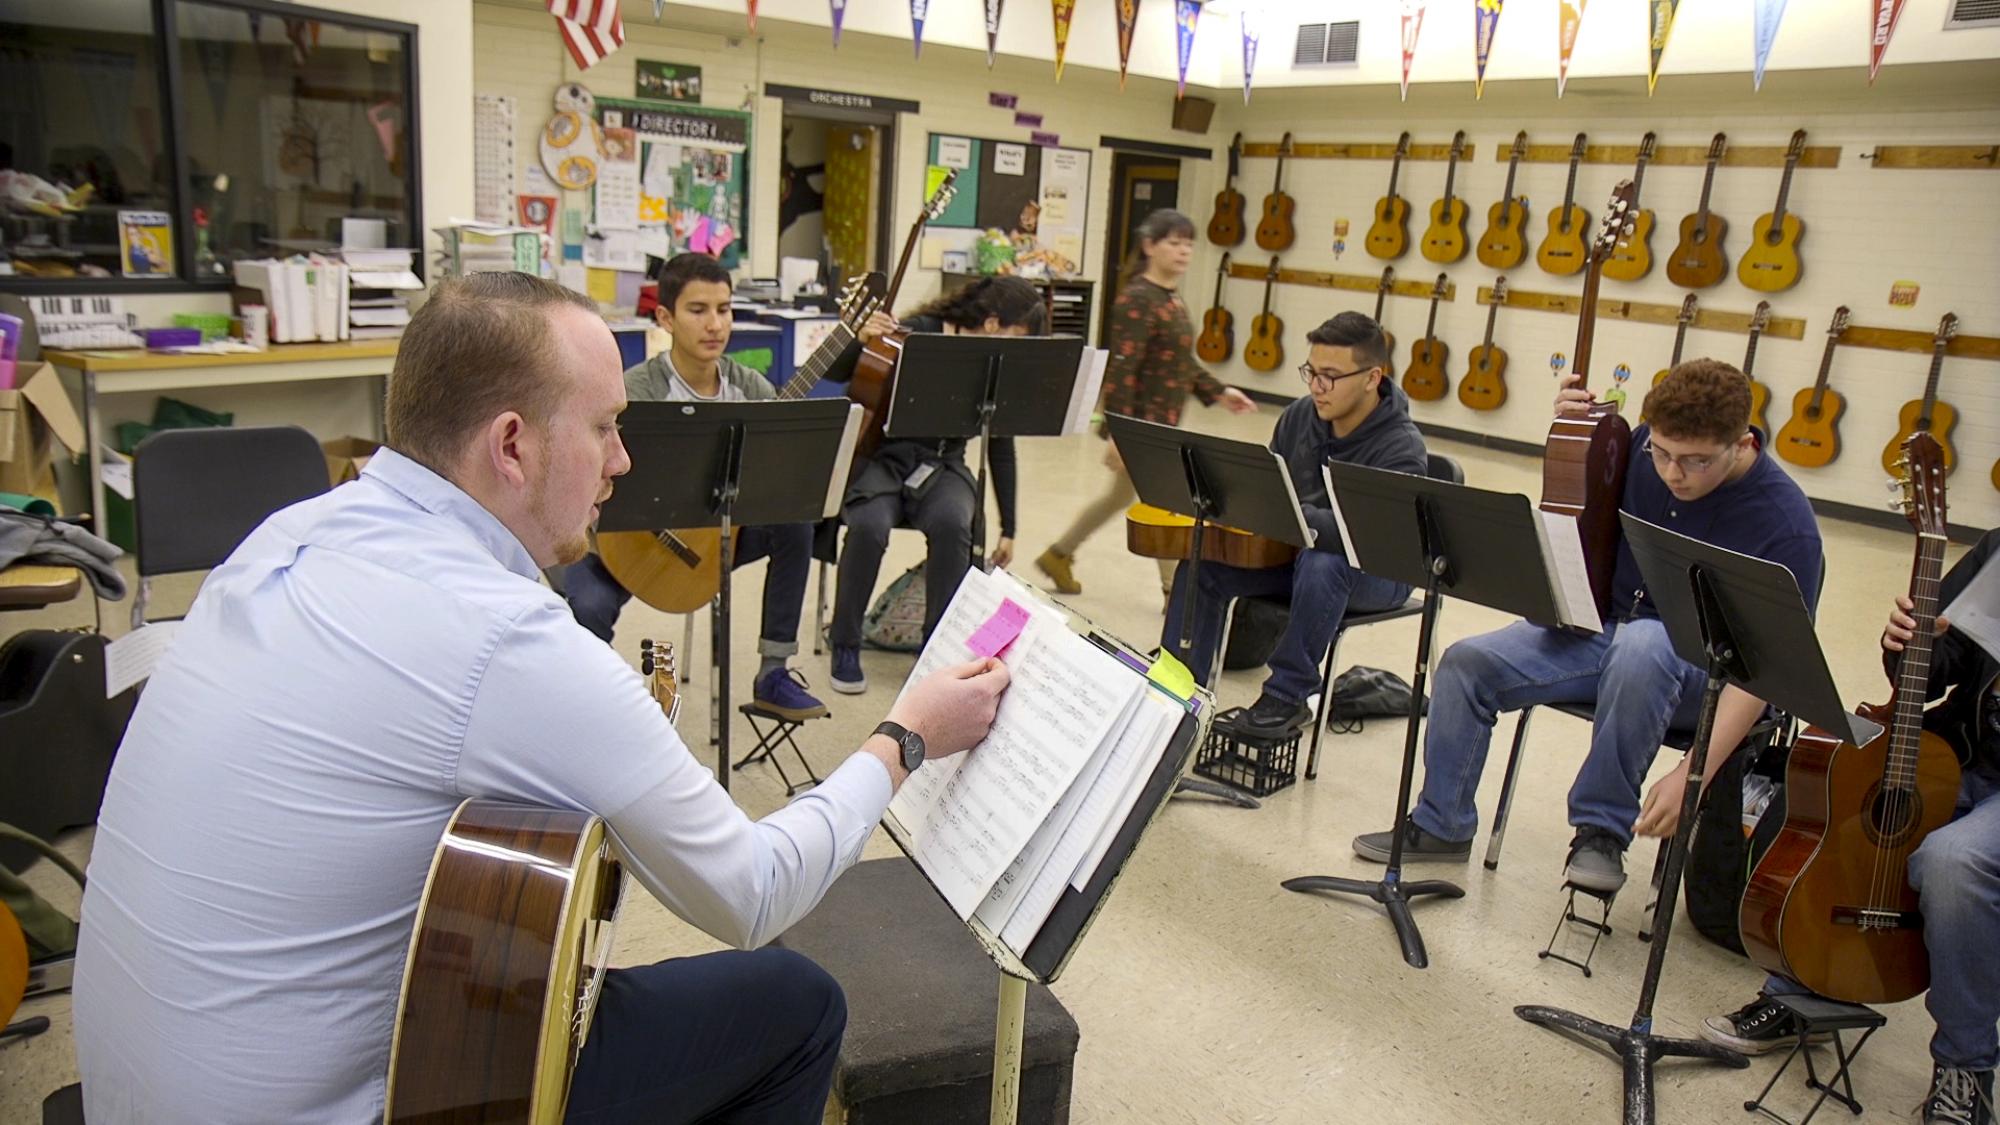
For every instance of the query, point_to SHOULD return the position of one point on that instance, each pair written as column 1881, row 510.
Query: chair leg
column 1507, row 789
column 1325, row 713
column 819, row 614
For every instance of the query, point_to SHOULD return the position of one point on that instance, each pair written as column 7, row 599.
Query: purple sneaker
column 847, row 675
column 782, row 692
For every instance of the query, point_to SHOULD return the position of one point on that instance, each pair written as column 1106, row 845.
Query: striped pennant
column 591, row 29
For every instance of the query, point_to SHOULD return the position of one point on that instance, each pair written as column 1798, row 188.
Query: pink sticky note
column 992, row 638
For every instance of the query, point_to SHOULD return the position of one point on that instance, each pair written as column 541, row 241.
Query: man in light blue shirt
column 370, row 658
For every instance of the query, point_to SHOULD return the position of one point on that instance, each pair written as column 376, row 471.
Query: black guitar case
column 57, row 734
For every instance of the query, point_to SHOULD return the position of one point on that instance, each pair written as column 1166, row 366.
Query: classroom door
column 853, row 184
column 1141, row 185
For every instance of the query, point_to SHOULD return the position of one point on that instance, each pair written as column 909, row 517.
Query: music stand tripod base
column 1394, row 895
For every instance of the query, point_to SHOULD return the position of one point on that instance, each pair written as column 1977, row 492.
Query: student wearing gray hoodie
column 1352, row 414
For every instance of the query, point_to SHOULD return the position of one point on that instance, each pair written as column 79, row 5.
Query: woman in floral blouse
column 1151, row 372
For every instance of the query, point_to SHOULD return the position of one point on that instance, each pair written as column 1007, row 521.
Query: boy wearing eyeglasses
column 1353, row 414
column 1698, row 468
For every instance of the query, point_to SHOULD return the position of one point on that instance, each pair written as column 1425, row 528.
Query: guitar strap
column 50, row 932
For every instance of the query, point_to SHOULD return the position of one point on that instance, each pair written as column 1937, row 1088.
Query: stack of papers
column 471, row 247
column 306, row 295
column 380, row 281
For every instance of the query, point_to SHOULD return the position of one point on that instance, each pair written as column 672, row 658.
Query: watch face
column 913, row 751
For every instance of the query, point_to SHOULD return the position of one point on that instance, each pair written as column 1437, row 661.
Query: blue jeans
column 1956, row 873
column 1640, row 687
column 1323, row 589
column 596, row 598
column 727, row 1037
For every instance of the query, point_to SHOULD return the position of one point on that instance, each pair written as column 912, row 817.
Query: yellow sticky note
column 602, row 286
column 1172, row 675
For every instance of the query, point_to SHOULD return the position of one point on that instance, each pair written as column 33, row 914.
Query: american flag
column 590, row 28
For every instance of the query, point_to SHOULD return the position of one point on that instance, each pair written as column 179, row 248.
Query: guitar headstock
column 861, row 297
column 1797, row 148
column 1271, row 273
column 1458, row 144
column 1520, row 148
column 1403, row 146
column 1618, row 216
column 942, row 197
column 1388, row 279
column 1923, row 483
column 1222, row 271
column 1840, row 321
column 1717, row 146
column 1646, row 147
column 1438, row 290
column 1687, row 310
column 657, row 666
column 1947, row 328
column 1576, row 150
column 1285, row 146
column 1499, row 290
column 1761, row 319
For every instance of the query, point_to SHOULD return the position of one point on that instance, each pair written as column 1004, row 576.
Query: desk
column 137, row 372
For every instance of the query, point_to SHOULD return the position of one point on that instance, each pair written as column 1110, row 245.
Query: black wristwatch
column 910, row 742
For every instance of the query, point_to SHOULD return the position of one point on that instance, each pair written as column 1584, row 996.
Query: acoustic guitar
column 680, row 570
column 1225, row 226
column 1584, row 462
column 657, row 667
column 1425, row 380
column 1698, row 260
column 1760, row 395
column 873, row 384
column 1485, row 384
column 1266, row 349
column 1218, row 328
column 1505, row 243
column 1274, row 230
column 1771, row 262
column 1156, row 533
column 1681, row 322
column 1634, row 257
column 1927, row 414
column 1389, row 235
column 1444, row 240
column 1830, row 903
column 1811, row 436
column 1565, row 248
column 1382, row 288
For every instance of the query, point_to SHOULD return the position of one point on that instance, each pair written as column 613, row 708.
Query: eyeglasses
column 1324, row 380
column 1693, row 464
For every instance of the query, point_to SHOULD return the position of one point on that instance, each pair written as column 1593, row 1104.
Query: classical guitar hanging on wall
column 1927, row 414
column 1633, row 259
column 1566, row 246
column 1485, row 384
column 1274, row 230
column 1382, row 288
column 1266, row 349
column 1444, row 240
column 1225, row 227
column 1698, row 260
column 1389, row 235
column 1771, row 262
column 1218, row 328
column 1811, row 436
column 1505, row 243
column 1760, row 395
column 1424, row 379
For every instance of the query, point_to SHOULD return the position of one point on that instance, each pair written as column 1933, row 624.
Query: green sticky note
column 1172, row 675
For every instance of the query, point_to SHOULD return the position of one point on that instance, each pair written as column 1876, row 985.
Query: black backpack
column 1720, row 854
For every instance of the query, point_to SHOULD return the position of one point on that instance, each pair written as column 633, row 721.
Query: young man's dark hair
column 1357, row 331
column 678, row 271
column 1701, row 400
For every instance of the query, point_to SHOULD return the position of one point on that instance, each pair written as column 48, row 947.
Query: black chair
column 199, row 493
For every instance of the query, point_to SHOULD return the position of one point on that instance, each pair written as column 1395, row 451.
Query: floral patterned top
column 1152, row 368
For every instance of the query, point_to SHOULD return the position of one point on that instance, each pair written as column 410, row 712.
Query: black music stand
column 983, row 387
column 699, row 464
column 1479, row 546
column 1743, row 620
column 1237, row 484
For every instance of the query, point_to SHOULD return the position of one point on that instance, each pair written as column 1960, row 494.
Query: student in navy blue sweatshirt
column 1355, row 415
column 1700, row 469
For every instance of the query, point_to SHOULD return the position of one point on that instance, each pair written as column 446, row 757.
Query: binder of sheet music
column 1023, row 835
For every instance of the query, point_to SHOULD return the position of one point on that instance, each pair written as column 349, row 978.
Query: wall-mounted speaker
column 1192, row 114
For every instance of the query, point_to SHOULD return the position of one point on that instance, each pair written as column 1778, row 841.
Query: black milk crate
column 1258, row 766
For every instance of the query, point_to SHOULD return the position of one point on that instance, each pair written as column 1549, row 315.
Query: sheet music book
column 1562, row 547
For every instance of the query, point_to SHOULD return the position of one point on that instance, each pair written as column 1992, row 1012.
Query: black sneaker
column 1270, row 716
column 1756, row 1028
column 1959, row 1097
column 1596, row 861
column 1419, row 846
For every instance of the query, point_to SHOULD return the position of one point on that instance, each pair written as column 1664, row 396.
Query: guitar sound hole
column 1894, row 815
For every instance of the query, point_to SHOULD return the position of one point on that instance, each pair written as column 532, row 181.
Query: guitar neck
column 1680, row 338
column 1569, row 191
column 1278, row 181
column 1513, row 166
column 903, row 262
column 1825, row 367
column 1268, row 282
column 1395, row 170
column 1430, row 325
column 1784, row 190
column 815, row 367
column 1931, row 385
column 1450, row 174
column 1492, row 314
column 1913, row 671
column 1707, row 183
column 1586, row 328
column 1750, row 353
column 1381, row 295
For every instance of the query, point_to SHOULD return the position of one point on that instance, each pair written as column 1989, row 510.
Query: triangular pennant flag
column 1662, row 25
column 1485, row 21
column 919, row 11
column 1765, row 29
column 1186, row 13
column 1063, row 10
column 752, row 5
column 993, row 29
column 839, row 13
column 1881, row 25
column 1413, row 26
column 1128, row 18
column 1570, row 18
column 1253, row 30
column 591, row 29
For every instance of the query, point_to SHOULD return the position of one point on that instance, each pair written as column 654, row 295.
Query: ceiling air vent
column 1963, row 13
column 1334, row 44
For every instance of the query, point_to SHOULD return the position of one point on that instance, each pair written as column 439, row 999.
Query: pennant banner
column 1571, row 18
column 1063, row 10
column 1253, row 30
column 1128, row 18
column 1485, row 20
column 919, row 9
column 752, row 6
column 839, row 13
column 1413, row 26
column 993, row 29
column 1661, row 19
column 1186, row 12
column 1768, row 15
column 1881, row 25
column 590, row 29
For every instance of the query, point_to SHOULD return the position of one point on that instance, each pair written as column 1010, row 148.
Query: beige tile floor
column 1206, row 993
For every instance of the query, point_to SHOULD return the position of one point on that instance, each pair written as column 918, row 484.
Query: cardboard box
column 346, row 457
column 32, row 419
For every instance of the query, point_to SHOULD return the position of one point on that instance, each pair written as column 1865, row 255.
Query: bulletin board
column 674, row 178
column 1039, row 196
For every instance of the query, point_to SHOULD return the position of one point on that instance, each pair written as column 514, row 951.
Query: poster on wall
column 146, row 243
column 668, row 82
column 1037, row 196
column 677, row 181
column 1064, row 199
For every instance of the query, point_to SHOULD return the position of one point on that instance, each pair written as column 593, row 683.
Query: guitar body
column 1583, row 476
column 1634, row 257
column 1444, row 241
column 1424, row 379
column 1811, row 436
column 1225, row 227
column 1389, row 235
column 873, row 386
column 1565, row 247
column 1760, row 398
column 1274, row 230
column 1218, row 336
column 677, row 575
column 1485, row 384
column 1771, row 262
column 1698, row 260
column 1156, row 533
column 1944, row 418
column 13, row 964
column 1842, row 846
column 510, row 944
column 58, row 734
column 1265, row 351
column 1504, row 245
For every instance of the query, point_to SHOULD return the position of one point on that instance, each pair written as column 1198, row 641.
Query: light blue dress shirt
column 365, row 661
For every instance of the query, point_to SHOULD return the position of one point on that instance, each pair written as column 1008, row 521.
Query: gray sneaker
column 1596, row 861
column 1959, row 1096
column 1419, row 846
